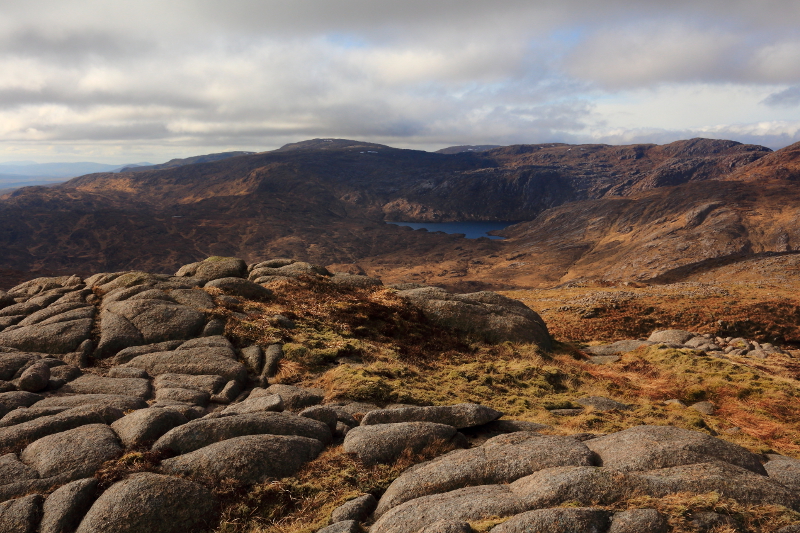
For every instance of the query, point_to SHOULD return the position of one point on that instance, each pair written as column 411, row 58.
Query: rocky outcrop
column 166, row 391
column 487, row 315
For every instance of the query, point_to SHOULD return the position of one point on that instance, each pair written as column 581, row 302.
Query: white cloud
column 164, row 79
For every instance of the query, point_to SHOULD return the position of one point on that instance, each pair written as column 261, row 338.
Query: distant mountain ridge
column 325, row 200
column 172, row 163
column 467, row 148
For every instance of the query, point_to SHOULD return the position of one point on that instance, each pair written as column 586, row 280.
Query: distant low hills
column 172, row 163
column 467, row 148
column 597, row 210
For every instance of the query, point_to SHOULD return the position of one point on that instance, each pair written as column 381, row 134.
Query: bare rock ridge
column 142, row 400
column 325, row 201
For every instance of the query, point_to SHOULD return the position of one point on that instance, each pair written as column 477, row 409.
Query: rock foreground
column 101, row 372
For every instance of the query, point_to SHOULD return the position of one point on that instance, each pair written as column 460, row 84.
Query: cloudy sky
column 118, row 82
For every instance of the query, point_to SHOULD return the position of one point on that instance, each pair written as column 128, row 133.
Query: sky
column 125, row 82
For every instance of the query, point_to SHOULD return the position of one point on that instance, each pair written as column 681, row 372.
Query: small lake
column 472, row 230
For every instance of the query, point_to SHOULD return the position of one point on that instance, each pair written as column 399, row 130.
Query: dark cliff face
column 325, row 200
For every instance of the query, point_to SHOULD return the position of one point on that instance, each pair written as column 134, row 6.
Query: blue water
column 472, row 230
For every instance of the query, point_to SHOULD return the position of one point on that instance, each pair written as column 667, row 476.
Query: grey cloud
column 74, row 47
column 786, row 98
column 260, row 73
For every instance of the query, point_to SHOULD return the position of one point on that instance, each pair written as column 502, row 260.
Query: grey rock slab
column 229, row 393
column 14, row 399
column 145, row 426
column 323, row 414
column 115, row 401
column 63, row 509
column 25, row 414
column 65, row 372
column 670, row 336
column 6, row 321
column 343, row 416
column 358, row 409
column 357, row 509
column 585, row 485
column 728, row 480
column 195, row 298
column 638, row 521
column 341, row 430
column 599, row 403
column 512, row 426
column 93, row 384
column 204, row 383
column 241, row 287
column 13, row 470
column 459, row 416
column 214, row 268
column 204, row 432
column 346, row 526
column 447, row 526
column 124, row 323
column 78, row 451
column 502, row 459
column 617, row 347
column 260, row 404
column 20, row 309
column 150, row 503
column 488, row 315
column 44, row 284
column 117, row 334
column 11, row 363
column 785, row 471
column 247, row 459
column 253, row 357
column 190, row 396
column 126, row 372
column 565, row 520
column 213, row 341
column 294, row 398
column 272, row 357
column 213, row 327
column 649, row 447
column 58, row 338
column 195, row 361
column 35, row 377
column 696, row 342
column 127, row 354
column 191, row 412
column 272, row 263
column 21, row 515
column 711, row 521
column 385, row 443
column 355, row 280
column 61, row 312
column 467, row 505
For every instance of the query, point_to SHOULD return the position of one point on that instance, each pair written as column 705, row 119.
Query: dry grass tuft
column 681, row 509
column 130, row 463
